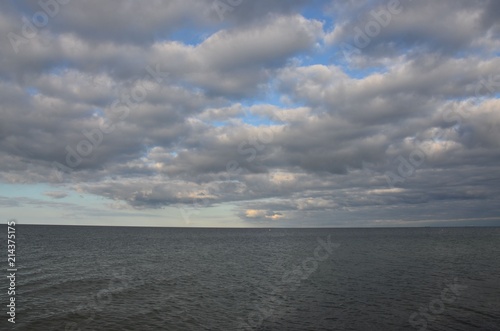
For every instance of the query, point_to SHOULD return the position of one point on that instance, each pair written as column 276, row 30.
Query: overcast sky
column 250, row 113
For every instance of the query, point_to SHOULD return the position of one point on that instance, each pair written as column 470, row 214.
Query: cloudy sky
column 250, row 113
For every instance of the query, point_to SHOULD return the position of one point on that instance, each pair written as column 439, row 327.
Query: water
column 110, row 278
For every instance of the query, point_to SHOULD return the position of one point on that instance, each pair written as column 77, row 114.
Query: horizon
column 261, row 228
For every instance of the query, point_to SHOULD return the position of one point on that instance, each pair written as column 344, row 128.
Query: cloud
column 254, row 213
column 56, row 195
column 447, row 27
column 259, row 112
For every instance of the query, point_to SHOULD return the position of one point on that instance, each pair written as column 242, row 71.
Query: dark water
column 104, row 278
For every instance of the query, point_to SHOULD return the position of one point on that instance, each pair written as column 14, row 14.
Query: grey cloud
column 307, row 141
column 56, row 194
column 447, row 27
column 117, row 21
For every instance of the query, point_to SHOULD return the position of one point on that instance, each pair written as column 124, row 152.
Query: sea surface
column 124, row 278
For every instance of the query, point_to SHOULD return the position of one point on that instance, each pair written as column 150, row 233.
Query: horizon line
column 272, row 227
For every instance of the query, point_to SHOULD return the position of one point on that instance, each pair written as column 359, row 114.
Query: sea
column 134, row 278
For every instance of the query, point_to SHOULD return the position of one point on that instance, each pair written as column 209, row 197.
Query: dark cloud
column 56, row 194
column 380, row 30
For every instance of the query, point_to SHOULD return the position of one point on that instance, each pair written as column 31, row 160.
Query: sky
column 250, row 113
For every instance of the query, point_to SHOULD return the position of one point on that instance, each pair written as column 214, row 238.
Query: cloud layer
column 291, row 112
